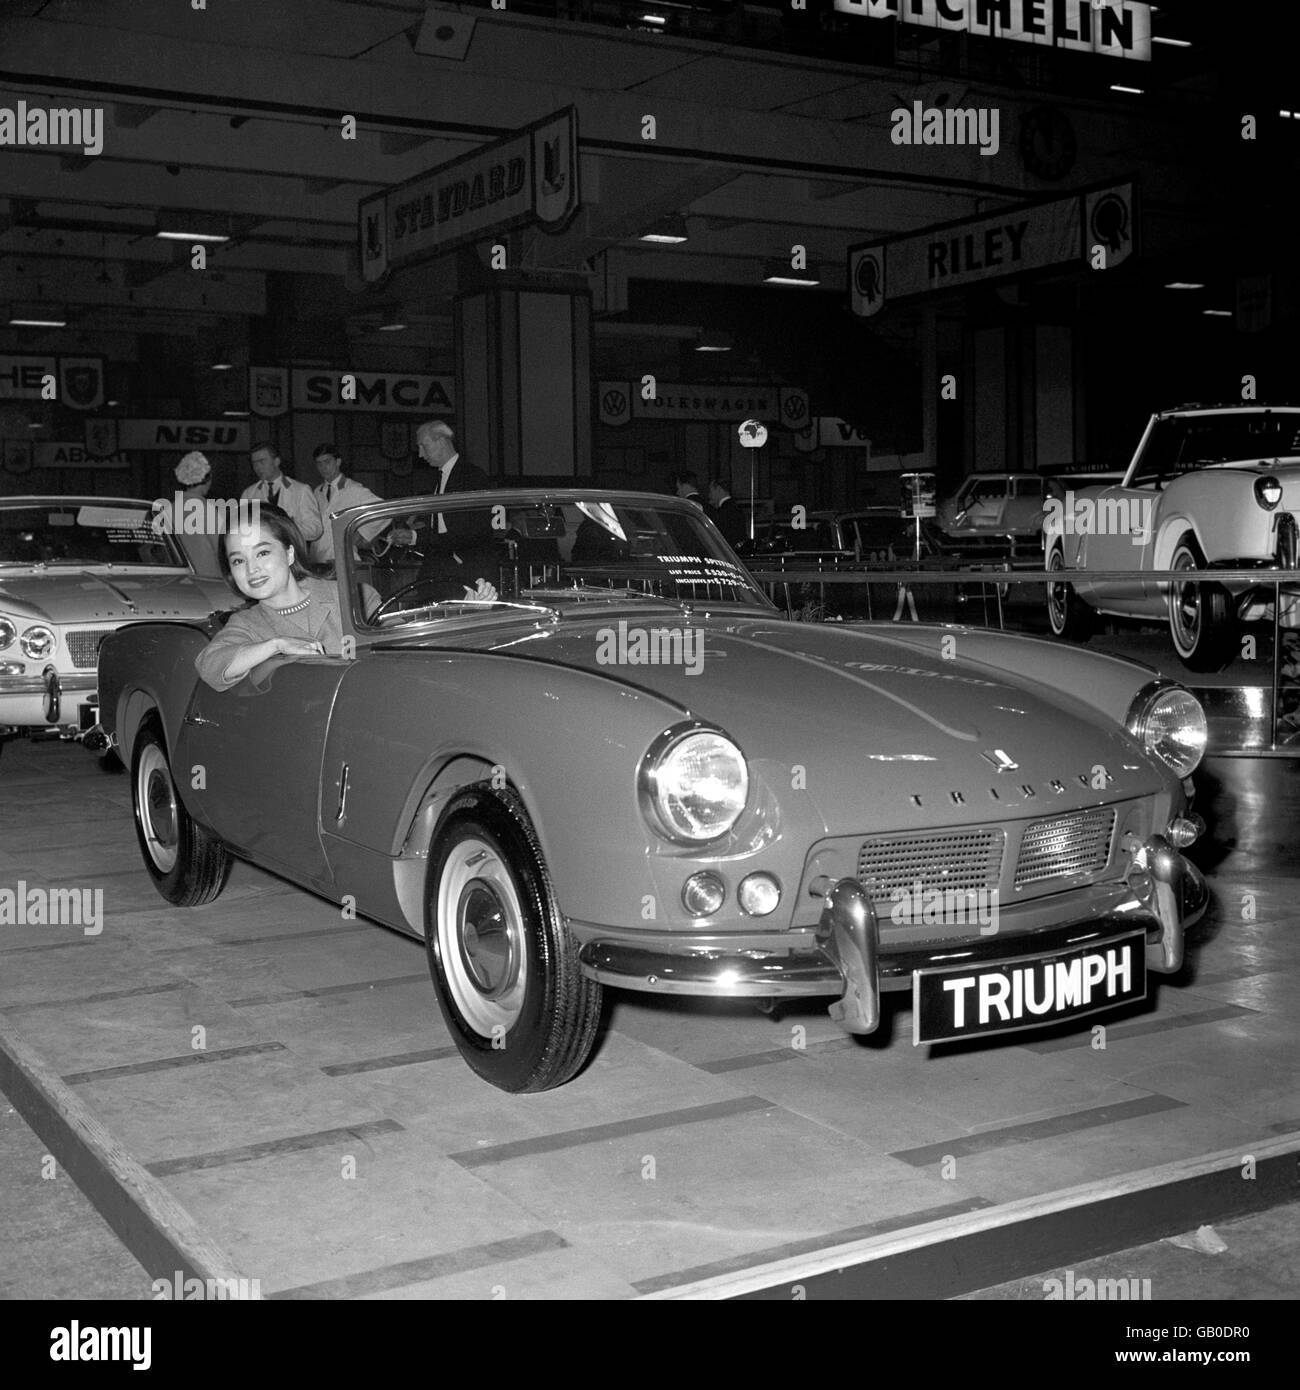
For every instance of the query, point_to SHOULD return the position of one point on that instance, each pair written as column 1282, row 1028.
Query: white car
column 71, row 570
column 1210, row 487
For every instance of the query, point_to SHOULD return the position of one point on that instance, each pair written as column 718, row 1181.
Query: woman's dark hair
column 284, row 528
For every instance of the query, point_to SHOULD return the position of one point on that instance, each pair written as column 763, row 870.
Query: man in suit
column 725, row 512
column 293, row 498
column 457, row 545
column 336, row 493
column 686, row 484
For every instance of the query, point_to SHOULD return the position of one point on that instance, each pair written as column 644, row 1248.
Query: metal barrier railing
column 1000, row 576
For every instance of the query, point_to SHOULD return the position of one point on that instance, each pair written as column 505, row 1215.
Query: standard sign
column 966, row 1001
column 385, row 392
column 1114, row 28
column 153, row 436
column 1096, row 227
column 531, row 176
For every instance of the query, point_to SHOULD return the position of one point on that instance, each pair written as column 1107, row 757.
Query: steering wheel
column 391, row 601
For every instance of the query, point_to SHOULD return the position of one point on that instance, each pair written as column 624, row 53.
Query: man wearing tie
column 336, row 493
column 293, row 498
column 461, row 547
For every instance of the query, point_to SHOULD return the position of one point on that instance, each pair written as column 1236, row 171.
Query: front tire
column 1201, row 625
column 504, row 967
column 189, row 865
column 1067, row 615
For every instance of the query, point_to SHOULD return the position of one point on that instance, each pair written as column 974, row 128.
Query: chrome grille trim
column 1076, row 843
column 83, row 646
column 957, row 860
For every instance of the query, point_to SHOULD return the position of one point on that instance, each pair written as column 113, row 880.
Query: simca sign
column 154, row 436
column 1113, row 28
column 385, row 392
column 1095, row 228
column 531, row 176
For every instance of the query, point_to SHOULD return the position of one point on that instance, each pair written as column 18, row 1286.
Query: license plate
column 87, row 717
column 970, row 1001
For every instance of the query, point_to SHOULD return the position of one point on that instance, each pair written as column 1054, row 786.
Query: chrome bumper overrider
column 843, row 955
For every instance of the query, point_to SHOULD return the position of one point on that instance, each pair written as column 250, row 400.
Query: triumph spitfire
column 630, row 770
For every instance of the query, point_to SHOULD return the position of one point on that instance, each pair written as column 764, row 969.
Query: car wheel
column 1067, row 615
column 1201, row 626
column 503, row 964
column 188, row 864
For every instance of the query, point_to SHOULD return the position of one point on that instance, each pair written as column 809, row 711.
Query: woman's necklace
column 294, row 607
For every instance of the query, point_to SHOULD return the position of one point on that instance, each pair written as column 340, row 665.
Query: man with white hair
column 437, row 445
column 461, row 546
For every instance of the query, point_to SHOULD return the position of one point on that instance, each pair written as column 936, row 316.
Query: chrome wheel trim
column 482, row 942
column 156, row 809
column 1057, row 599
column 1184, row 604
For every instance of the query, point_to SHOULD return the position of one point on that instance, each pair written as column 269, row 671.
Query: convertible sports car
column 630, row 770
column 71, row 570
column 1209, row 488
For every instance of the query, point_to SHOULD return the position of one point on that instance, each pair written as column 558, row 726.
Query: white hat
column 193, row 469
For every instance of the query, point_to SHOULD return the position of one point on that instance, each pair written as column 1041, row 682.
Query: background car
column 73, row 569
column 1208, row 488
column 629, row 770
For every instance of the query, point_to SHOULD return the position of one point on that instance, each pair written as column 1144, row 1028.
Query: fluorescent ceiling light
column 1132, row 91
column 1173, row 43
column 781, row 274
column 222, row 366
column 1183, row 285
column 714, row 342
column 652, row 19
column 1218, row 313
column 37, row 323
column 671, row 231
column 391, row 327
column 192, row 236
column 235, row 413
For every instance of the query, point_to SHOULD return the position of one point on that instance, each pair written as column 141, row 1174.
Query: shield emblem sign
column 81, row 382
column 101, row 438
column 555, row 169
column 867, row 280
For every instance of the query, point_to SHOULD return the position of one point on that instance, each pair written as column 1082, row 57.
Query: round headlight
column 759, row 894
column 38, row 642
column 7, row 633
column 1169, row 723
column 694, row 784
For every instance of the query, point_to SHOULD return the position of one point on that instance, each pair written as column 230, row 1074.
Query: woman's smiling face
column 259, row 563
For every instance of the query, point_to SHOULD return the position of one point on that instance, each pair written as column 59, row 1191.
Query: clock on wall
column 1047, row 142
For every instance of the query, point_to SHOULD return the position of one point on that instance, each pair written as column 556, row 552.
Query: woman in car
column 294, row 609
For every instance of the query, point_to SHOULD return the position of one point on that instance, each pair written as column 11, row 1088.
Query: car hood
column 859, row 711
column 85, row 596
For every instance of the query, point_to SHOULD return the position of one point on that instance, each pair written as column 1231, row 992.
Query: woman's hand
column 482, row 590
column 298, row 646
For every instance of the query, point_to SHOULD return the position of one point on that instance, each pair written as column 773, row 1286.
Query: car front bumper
column 48, row 701
column 844, row 956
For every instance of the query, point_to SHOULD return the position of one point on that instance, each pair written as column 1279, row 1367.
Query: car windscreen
column 549, row 552
column 1182, row 443
column 71, row 534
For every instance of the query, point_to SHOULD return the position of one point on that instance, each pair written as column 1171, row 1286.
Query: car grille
column 959, row 860
column 83, row 647
column 1075, row 844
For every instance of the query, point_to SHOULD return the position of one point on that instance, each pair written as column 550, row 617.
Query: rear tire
column 189, row 865
column 1201, row 624
column 504, row 966
column 1067, row 615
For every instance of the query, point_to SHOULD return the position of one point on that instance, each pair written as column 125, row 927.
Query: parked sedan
column 1208, row 488
column 73, row 569
column 629, row 770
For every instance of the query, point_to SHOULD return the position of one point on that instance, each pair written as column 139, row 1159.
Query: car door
column 251, row 762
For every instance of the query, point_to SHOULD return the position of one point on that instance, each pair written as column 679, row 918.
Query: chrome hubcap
column 155, row 799
column 1185, row 605
column 481, row 941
